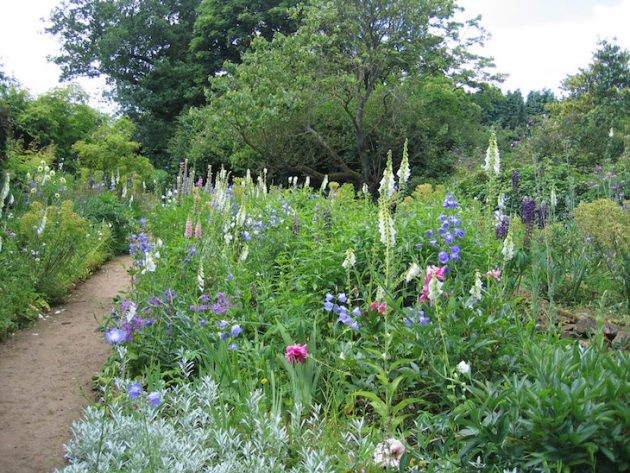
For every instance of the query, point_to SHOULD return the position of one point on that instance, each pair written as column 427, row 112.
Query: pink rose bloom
column 296, row 353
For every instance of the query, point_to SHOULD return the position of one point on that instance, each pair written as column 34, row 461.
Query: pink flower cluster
column 431, row 270
column 296, row 353
column 379, row 308
column 494, row 273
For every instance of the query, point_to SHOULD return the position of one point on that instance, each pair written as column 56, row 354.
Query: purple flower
column 246, row 236
column 154, row 399
column 450, row 202
column 449, row 238
column 235, row 331
column 115, row 336
column 454, row 221
column 233, row 347
column 342, row 298
column 230, row 276
column 154, row 302
column 222, row 324
column 459, row 233
column 356, row 312
column 170, row 296
column 354, row 325
column 502, row 228
column 418, row 246
column 528, row 210
column 433, row 243
column 429, row 233
column 328, row 306
column 134, row 390
column 329, row 297
column 223, row 336
column 443, row 257
column 455, row 250
column 203, row 322
column 516, row 177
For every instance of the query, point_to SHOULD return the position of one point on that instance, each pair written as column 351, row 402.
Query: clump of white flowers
column 492, row 166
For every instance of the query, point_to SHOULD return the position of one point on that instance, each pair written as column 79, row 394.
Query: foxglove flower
column 404, row 172
column 387, row 185
column 492, row 164
column 508, row 247
column 188, row 230
column 350, row 259
column 198, row 231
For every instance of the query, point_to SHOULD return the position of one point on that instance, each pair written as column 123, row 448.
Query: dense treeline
column 321, row 88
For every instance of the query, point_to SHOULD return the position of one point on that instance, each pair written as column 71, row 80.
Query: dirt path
column 46, row 371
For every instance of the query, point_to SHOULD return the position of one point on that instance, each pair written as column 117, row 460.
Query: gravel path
column 46, row 371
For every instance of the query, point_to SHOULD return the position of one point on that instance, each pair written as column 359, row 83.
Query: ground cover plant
column 337, row 333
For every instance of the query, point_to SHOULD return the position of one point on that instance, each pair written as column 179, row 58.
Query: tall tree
column 350, row 61
column 156, row 54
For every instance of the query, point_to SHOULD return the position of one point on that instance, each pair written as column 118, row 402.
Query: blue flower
column 115, row 336
column 356, row 312
column 449, row 238
column 203, row 322
column 418, row 246
column 433, row 243
column 235, row 331
column 154, row 399
column 429, row 233
column 223, row 335
column 329, row 297
column 354, row 325
column 328, row 306
column 443, row 257
column 134, row 390
column 342, row 298
column 230, row 276
column 459, row 233
column 222, row 324
column 455, row 250
column 233, row 347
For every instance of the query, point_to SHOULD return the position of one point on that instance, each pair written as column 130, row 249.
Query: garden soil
column 46, row 372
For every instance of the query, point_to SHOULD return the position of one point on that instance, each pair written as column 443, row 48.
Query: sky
column 536, row 42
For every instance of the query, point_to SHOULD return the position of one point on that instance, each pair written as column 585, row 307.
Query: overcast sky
column 537, row 42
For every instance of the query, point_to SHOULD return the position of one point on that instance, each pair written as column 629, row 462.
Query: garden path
column 46, row 372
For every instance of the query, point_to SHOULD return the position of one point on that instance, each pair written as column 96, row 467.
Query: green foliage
column 568, row 410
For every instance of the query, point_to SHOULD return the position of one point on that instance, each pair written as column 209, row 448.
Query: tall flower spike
column 188, row 230
column 350, row 260
column 201, row 278
column 404, row 172
column 387, row 184
column 492, row 164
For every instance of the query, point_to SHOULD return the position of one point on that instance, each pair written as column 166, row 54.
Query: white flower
column 324, row 183
column 463, row 367
column 412, row 272
column 435, row 288
column 365, row 189
column 201, row 283
column 42, row 223
column 508, row 247
column 553, row 199
column 388, row 453
column 244, row 253
column 350, row 260
column 131, row 311
column 475, row 291
column 387, row 184
column 149, row 264
column 493, row 159
column 404, row 172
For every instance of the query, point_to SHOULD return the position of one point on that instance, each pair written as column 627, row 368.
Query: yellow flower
column 264, row 381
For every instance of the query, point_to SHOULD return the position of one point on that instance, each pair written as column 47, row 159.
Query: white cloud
column 541, row 54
